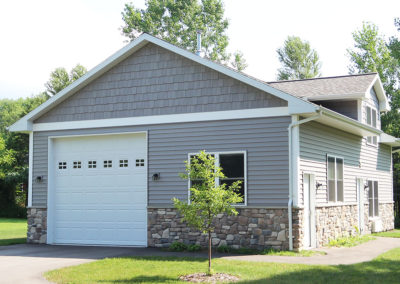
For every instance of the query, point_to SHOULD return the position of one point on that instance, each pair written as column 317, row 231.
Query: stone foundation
column 335, row 221
column 37, row 226
column 251, row 228
column 386, row 214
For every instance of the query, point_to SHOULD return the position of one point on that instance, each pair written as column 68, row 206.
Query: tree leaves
column 60, row 79
column 298, row 60
column 178, row 22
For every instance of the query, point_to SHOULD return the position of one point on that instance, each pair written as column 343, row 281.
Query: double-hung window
column 373, row 198
column 372, row 121
column 335, row 179
column 233, row 166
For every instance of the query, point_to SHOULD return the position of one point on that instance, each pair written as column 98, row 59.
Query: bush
column 223, row 249
column 178, row 246
column 194, row 248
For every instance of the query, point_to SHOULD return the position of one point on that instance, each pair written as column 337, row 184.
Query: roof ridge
column 321, row 78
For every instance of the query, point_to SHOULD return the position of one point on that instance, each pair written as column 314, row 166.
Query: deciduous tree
column 298, row 60
column 59, row 78
column 207, row 199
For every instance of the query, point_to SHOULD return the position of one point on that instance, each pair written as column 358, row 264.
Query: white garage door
column 100, row 190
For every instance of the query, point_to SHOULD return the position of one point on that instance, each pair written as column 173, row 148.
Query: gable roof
column 338, row 87
column 296, row 105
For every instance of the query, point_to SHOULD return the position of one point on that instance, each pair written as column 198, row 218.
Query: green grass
column 350, row 241
column 247, row 251
column 390, row 234
column 12, row 231
column 384, row 269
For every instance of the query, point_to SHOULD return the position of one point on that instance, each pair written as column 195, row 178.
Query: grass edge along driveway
column 12, row 231
column 383, row 269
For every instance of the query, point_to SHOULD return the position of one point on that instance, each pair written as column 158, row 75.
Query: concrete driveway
column 27, row 263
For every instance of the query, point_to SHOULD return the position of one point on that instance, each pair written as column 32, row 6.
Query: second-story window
column 371, row 121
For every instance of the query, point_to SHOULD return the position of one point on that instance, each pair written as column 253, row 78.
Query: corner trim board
column 30, row 175
column 163, row 119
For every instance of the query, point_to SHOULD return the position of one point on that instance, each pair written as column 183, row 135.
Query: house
column 105, row 153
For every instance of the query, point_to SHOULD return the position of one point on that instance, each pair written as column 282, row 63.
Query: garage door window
column 139, row 162
column 62, row 165
column 77, row 165
column 123, row 163
column 108, row 164
column 92, row 164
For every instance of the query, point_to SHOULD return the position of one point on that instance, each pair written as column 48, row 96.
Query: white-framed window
column 335, row 173
column 373, row 198
column 234, row 167
column 372, row 117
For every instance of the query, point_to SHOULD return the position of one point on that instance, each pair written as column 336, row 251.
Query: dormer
column 360, row 97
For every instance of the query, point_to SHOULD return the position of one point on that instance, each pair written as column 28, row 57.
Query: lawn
column 384, row 269
column 12, row 231
column 390, row 234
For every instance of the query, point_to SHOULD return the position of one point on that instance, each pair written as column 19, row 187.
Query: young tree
column 239, row 62
column 59, row 78
column 178, row 22
column 207, row 199
column 298, row 60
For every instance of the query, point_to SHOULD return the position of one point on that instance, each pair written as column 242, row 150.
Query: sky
column 39, row 36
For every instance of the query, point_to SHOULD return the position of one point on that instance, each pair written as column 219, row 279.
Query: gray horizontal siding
column 264, row 139
column 155, row 81
column 317, row 140
column 347, row 108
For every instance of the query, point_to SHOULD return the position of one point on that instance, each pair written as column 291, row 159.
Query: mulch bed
column 203, row 277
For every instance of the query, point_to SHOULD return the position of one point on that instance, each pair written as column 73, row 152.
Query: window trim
column 376, row 122
column 378, row 216
column 216, row 155
column 327, row 179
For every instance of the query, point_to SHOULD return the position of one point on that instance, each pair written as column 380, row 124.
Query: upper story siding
column 155, row 81
column 360, row 161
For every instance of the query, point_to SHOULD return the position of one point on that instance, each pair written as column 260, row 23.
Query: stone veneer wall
column 386, row 214
column 253, row 228
column 37, row 226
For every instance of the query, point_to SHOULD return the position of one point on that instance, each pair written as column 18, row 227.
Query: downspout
column 291, row 174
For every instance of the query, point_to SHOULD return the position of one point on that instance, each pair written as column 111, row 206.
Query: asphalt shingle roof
column 325, row 86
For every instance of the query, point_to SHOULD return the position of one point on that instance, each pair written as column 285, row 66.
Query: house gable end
column 156, row 81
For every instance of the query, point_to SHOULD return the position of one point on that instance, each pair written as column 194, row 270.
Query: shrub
column 178, row 246
column 194, row 248
column 223, row 249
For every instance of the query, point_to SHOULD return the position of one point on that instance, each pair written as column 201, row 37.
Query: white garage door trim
column 51, row 179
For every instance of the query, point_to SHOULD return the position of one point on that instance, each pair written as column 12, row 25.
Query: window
column 373, row 198
column 77, row 165
column 123, row 163
column 335, row 179
column 139, row 162
column 62, row 165
column 234, row 168
column 92, row 164
column 371, row 121
column 107, row 164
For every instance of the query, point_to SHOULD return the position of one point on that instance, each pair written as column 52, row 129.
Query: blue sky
column 39, row 36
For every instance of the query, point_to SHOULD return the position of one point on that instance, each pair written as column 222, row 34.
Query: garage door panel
column 104, row 204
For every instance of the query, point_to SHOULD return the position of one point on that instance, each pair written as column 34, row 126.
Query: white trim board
column 163, row 119
column 30, row 176
column 296, row 105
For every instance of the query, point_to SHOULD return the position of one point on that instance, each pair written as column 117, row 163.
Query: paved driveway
column 27, row 263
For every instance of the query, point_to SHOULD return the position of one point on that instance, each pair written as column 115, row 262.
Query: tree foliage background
column 373, row 53
column 178, row 22
column 298, row 60
column 14, row 147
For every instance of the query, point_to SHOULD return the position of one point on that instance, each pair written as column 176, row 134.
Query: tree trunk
column 209, row 252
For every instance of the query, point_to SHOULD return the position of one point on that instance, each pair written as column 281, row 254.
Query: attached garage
column 98, row 190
